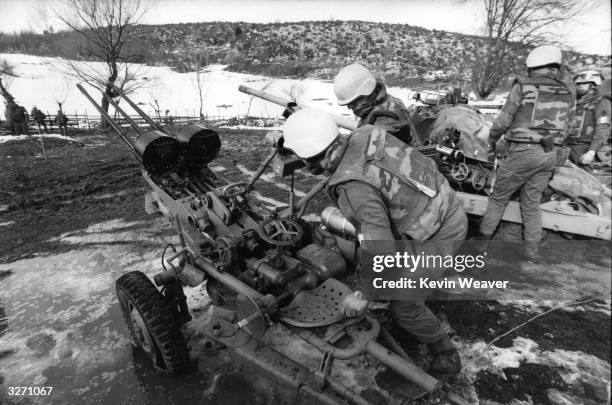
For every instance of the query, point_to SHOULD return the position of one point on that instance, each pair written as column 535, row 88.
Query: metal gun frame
column 234, row 243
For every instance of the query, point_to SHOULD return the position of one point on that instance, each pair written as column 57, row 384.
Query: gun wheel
column 152, row 323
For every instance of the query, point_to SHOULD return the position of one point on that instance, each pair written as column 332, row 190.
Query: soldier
column 592, row 124
column 389, row 192
column 357, row 88
column 61, row 121
column 39, row 118
column 8, row 114
column 534, row 119
column 19, row 116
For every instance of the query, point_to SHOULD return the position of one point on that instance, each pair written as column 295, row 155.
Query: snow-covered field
column 41, row 80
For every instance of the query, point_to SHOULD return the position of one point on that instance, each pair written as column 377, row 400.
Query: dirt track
column 48, row 215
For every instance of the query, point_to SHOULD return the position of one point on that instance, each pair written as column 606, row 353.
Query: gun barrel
column 343, row 122
column 155, row 150
column 111, row 122
column 148, row 119
column 125, row 115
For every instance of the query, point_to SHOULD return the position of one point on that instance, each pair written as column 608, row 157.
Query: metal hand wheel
column 460, row 172
column 280, row 232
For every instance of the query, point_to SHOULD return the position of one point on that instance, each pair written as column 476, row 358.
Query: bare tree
column 7, row 74
column 59, row 92
column 196, row 62
column 156, row 91
column 510, row 25
column 106, row 27
column 295, row 91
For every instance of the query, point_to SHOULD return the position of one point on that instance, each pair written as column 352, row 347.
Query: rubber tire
column 159, row 319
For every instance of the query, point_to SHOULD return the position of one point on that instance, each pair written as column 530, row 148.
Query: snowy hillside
column 40, row 80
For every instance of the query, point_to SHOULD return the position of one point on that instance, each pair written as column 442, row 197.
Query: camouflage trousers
column 411, row 314
column 528, row 168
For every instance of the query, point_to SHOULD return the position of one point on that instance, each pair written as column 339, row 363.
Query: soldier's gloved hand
column 274, row 138
column 290, row 109
column 354, row 304
column 587, row 158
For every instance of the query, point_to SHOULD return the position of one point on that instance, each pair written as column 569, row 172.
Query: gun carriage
column 264, row 267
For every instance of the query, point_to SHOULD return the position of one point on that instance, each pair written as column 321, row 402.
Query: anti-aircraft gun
column 266, row 268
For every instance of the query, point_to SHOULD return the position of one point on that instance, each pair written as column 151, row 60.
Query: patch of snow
column 240, row 126
column 217, row 168
column 574, row 366
column 271, row 178
column 6, row 138
column 112, row 195
column 271, row 202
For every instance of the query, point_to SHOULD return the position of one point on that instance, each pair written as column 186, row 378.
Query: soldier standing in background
column 61, row 121
column 357, row 88
column 39, row 118
column 592, row 125
column 20, row 119
column 389, row 192
column 534, row 119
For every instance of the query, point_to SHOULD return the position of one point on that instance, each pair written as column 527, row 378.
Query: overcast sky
column 591, row 34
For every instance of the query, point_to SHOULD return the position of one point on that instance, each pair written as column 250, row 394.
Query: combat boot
column 446, row 363
column 531, row 250
column 479, row 244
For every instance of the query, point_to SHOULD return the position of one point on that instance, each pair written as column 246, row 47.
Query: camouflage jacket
column 389, row 112
column 537, row 106
column 415, row 194
column 592, row 122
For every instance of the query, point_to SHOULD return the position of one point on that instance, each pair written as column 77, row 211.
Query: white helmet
column 543, row 55
column 353, row 81
column 588, row 76
column 309, row 131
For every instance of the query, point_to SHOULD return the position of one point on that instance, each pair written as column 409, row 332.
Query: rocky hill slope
column 317, row 48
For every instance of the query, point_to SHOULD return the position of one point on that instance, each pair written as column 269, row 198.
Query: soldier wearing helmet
column 389, row 192
column 357, row 88
column 534, row 119
column 592, row 124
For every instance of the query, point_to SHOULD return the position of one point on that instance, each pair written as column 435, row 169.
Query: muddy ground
column 72, row 221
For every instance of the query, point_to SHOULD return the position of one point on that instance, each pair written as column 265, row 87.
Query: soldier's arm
column 364, row 207
column 385, row 118
column 505, row 117
column 602, row 125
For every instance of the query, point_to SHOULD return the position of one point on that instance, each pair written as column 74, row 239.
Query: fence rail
column 85, row 121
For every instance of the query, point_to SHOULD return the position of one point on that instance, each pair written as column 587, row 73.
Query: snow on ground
column 6, row 138
column 40, row 79
column 60, row 318
column 272, row 178
column 575, row 367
